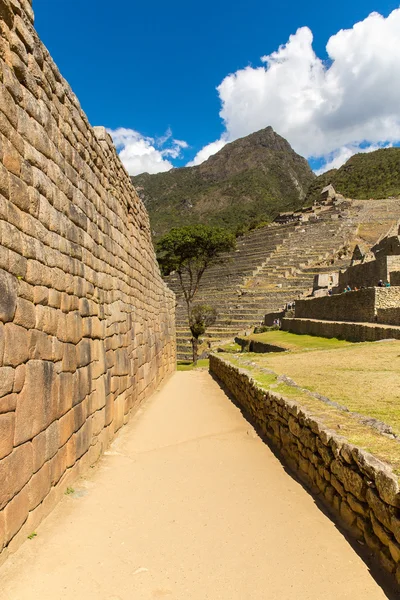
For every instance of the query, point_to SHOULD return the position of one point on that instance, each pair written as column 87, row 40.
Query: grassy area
column 365, row 378
column 186, row 365
column 299, row 343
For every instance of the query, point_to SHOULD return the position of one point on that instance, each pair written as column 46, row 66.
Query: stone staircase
column 273, row 265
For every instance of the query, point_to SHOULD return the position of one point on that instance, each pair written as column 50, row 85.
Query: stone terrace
column 271, row 266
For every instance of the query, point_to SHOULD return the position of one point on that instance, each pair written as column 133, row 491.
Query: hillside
column 371, row 175
column 248, row 181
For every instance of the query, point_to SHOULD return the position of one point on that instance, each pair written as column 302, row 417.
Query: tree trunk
column 195, row 347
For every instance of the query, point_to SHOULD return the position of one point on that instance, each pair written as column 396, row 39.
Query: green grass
column 185, row 365
column 232, row 348
column 300, row 343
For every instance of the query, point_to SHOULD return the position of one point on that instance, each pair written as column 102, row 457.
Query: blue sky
column 154, row 66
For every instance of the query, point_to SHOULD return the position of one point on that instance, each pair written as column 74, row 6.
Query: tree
column 201, row 317
column 190, row 251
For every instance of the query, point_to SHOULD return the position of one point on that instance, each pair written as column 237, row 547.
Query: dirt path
column 189, row 504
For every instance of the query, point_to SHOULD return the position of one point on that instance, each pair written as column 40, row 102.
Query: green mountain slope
column 372, row 175
column 248, row 181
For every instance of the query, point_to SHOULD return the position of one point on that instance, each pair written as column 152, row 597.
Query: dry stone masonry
column 359, row 489
column 86, row 323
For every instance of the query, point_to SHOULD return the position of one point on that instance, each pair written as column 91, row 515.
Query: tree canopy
column 190, row 250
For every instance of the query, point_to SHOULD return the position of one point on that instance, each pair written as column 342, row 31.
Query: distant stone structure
column 369, row 267
column 86, row 322
column 329, row 196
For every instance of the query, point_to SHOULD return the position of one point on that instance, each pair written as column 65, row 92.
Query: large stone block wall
column 86, row 323
column 361, row 491
column 353, row 332
column 358, row 306
column 368, row 274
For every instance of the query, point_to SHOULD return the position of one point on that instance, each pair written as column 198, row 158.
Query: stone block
column 7, row 422
column 19, row 379
column 67, row 391
column 15, row 472
column 16, row 513
column 46, row 319
column 19, row 194
column 66, row 427
column 58, row 465
column 40, row 345
column 356, row 506
column 38, row 402
column 348, row 516
column 16, row 349
column 8, row 403
column 38, row 486
column 352, row 481
column 388, row 487
column 45, row 445
column 25, row 314
column 394, row 550
column 6, row 380
column 70, row 360
column 2, row 530
column 8, row 296
column 381, row 533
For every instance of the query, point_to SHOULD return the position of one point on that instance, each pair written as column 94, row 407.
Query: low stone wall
column 360, row 490
column 249, row 345
column 390, row 316
column 360, row 306
column 273, row 316
column 352, row 332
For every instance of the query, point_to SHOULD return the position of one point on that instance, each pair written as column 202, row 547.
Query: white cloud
column 141, row 154
column 206, row 152
column 321, row 108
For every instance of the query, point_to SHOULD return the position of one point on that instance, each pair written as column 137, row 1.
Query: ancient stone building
column 86, row 323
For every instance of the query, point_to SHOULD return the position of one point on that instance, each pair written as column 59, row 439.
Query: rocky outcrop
column 86, row 323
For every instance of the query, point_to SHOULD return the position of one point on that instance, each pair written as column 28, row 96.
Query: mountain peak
column 249, row 180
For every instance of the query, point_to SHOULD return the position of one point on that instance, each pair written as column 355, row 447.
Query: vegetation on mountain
column 189, row 251
column 249, row 181
column 369, row 175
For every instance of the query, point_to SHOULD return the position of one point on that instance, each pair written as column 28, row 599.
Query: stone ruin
column 87, row 328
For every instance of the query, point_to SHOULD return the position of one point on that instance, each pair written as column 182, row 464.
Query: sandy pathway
column 188, row 504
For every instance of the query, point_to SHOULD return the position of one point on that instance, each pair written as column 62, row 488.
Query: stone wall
column 86, row 323
column 353, row 332
column 361, row 306
column 369, row 273
column 360, row 490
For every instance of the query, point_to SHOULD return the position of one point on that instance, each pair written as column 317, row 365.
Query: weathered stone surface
column 7, row 422
column 38, row 486
column 15, row 472
column 388, row 487
column 37, row 404
column 8, row 296
column 86, row 322
column 6, row 380
column 352, row 481
column 16, row 350
column 25, row 314
column 16, row 513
